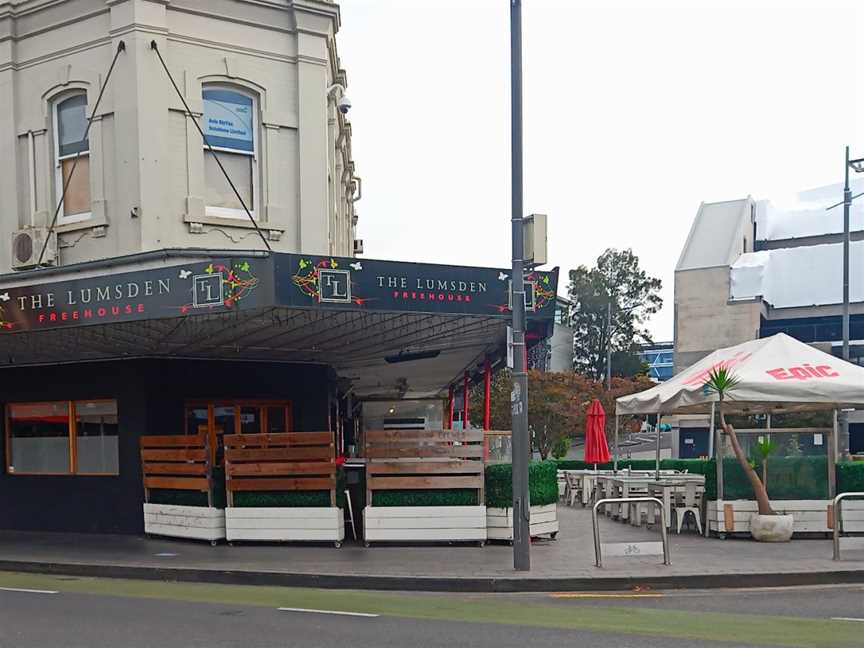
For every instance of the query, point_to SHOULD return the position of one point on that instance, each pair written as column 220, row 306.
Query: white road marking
column 27, row 591
column 356, row 614
column 846, row 619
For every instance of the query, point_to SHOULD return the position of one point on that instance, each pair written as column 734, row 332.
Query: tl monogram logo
column 334, row 286
column 207, row 290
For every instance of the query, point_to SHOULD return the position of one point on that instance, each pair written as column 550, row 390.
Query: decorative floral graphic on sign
column 537, row 286
column 327, row 281
column 237, row 282
column 543, row 293
column 4, row 323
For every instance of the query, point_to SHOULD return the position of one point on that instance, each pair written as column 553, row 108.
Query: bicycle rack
column 838, row 522
column 621, row 500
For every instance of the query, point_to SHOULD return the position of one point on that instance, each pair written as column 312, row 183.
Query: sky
column 634, row 114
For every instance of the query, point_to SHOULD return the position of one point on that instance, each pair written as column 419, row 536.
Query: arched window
column 230, row 126
column 70, row 126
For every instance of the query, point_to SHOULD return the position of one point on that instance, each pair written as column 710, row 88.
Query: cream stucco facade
column 146, row 158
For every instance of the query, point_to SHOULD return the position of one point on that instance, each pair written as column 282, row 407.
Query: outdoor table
column 589, row 478
column 662, row 488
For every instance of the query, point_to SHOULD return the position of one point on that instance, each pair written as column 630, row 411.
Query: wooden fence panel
column 176, row 462
column 289, row 461
column 424, row 459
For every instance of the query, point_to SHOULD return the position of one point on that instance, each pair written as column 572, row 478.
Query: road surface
column 38, row 611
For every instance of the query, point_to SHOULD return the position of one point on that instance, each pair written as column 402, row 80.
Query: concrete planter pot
column 424, row 524
column 175, row 521
column 544, row 521
column 280, row 524
column 771, row 528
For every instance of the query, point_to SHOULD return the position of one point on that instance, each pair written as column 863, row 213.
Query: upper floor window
column 230, row 128
column 70, row 127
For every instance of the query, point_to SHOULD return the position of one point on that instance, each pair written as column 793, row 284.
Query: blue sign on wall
column 228, row 120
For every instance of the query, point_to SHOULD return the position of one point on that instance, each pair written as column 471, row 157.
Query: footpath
column 566, row 564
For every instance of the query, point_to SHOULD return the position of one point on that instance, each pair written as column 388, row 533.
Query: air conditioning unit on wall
column 27, row 246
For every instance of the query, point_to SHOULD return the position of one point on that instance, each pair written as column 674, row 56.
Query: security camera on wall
column 344, row 104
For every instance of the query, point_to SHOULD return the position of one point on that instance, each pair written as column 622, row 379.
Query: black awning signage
column 175, row 291
column 294, row 281
column 398, row 286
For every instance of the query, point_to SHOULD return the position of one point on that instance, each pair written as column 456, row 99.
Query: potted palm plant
column 766, row 525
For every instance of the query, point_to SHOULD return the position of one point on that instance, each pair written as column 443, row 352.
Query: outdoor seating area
column 680, row 492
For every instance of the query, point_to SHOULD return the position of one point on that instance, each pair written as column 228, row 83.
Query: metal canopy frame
column 354, row 343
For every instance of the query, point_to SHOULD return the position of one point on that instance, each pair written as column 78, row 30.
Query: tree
column 557, row 404
column 618, row 280
column 721, row 381
column 627, row 364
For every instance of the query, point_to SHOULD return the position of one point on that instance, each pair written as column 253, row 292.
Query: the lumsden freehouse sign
column 287, row 280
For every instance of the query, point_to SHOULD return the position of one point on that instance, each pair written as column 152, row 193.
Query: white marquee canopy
column 776, row 374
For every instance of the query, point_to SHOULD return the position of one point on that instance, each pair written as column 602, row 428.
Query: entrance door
column 219, row 417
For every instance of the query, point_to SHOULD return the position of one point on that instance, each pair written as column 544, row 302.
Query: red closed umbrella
column 596, row 448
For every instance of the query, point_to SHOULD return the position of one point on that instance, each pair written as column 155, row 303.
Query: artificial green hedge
column 542, row 484
column 252, row 499
column 850, row 477
column 789, row 478
column 432, row 497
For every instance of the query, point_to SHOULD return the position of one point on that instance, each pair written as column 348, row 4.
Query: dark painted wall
column 150, row 396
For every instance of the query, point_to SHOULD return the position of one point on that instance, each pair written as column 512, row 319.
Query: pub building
column 98, row 354
column 144, row 297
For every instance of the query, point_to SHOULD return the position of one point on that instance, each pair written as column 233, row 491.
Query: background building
column 751, row 269
column 256, row 75
column 659, row 359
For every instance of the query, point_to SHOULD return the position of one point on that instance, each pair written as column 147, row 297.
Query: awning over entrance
column 393, row 329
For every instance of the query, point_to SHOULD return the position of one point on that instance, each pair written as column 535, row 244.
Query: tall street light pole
column 519, row 395
column 858, row 167
column 609, row 346
column 847, row 204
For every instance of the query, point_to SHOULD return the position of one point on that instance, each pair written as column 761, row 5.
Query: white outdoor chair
column 688, row 501
column 574, row 488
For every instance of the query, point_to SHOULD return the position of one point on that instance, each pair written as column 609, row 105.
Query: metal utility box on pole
column 519, row 395
column 534, row 239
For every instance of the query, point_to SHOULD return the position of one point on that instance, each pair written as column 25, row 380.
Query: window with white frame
column 230, row 127
column 70, row 143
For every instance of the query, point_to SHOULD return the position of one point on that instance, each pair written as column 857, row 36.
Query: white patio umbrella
column 776, row 374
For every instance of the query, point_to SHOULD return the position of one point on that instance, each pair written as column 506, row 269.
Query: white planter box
column 499, row 522
column 305, row 524
column 197, row 522
column 424, row 523
column 811, row 516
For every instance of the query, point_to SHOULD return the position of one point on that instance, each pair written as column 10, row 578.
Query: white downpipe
column 31, row 154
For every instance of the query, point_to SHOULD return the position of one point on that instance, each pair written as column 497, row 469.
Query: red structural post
column 450, row 408
column 487, row 392
column 465, row 400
